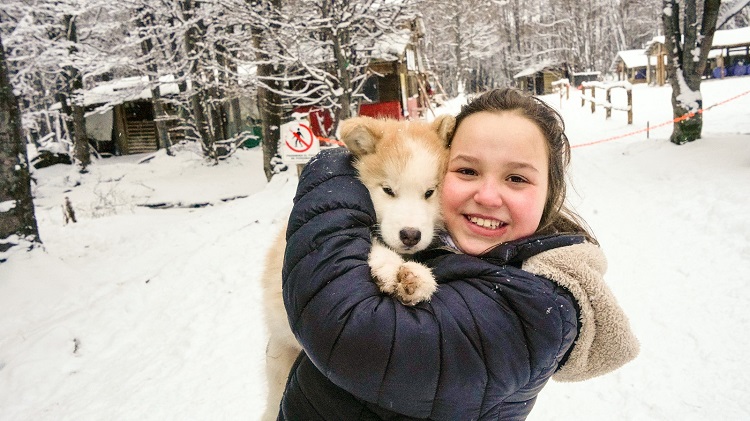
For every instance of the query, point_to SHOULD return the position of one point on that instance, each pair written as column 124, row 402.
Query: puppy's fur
column 401, row 164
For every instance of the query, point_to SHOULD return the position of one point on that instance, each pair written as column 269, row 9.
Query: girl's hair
column 556, row 217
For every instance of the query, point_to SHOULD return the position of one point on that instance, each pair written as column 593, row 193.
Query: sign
column 298, row 143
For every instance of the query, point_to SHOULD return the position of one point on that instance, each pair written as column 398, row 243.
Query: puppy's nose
column 410, row 236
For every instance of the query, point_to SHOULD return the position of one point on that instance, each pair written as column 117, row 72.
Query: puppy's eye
column 389, row 191
column 429, row 193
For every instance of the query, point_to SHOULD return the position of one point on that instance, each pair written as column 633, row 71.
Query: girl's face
column 496, row 185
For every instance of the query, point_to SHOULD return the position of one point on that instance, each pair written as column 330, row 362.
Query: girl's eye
column 389, row 191
column 466, row 171
column 517, row 179
column 429, row 193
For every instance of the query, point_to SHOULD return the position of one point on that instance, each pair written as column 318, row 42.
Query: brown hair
column 556, row 216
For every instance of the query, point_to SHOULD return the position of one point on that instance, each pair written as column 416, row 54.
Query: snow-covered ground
column 136, row 313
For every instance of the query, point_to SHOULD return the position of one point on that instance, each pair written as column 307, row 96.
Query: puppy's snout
column 410, row 236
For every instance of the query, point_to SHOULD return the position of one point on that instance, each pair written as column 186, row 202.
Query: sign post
column 298, row 143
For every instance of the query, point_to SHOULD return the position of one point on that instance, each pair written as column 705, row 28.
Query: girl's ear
column 444, row 125
column 361, row 135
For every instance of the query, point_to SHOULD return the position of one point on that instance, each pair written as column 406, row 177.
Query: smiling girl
column 521, row 295
column 505, row 178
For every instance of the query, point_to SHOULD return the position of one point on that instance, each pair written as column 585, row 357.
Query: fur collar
column 605, row 341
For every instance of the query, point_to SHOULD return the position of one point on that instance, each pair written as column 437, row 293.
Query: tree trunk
column 345, row 84
column 269, row 100
column 688, row 53
column 147, row 46
column 17, row 219
column 74, row 84
column 197, row 100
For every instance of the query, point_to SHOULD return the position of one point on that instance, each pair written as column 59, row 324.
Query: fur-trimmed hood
column 605, row 341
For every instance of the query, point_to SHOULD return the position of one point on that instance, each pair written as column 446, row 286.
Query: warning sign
column 298, row 143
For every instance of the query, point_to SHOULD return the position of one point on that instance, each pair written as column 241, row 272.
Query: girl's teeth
column 486, row 223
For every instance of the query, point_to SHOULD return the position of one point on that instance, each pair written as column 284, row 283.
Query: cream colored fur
column 401, row 164
column 605, row 341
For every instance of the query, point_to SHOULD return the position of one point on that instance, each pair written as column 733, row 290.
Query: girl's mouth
column 486, row 223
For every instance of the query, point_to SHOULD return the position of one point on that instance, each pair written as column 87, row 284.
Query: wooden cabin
column 120, row 116
column 398, row 85
column 632, row 66
column 538, row 79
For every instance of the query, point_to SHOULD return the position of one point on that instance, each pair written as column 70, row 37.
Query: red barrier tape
column 331, row 141
column 675, row 120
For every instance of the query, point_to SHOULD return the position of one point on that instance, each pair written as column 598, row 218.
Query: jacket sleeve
column 485, row 334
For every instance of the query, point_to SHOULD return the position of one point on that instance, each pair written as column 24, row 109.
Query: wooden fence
column 607, row 102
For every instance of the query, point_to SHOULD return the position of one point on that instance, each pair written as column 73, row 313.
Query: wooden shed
column 120, row 116
column 397, row 85
column 538, row 79
column 632, row 65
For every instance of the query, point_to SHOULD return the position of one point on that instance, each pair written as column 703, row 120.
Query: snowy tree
column 53, row 47
column 70, row 92
column 328, row 47
column 266, row 42
column 463, row 43
column 688, row 41
column 735, row 14
column 17, row 220
column 145, row 22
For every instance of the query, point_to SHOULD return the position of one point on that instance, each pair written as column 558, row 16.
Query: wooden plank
column 141, row 137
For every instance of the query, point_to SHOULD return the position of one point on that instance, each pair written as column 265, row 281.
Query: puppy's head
column 402, row 164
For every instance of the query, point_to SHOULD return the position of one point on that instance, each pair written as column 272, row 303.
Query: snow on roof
column 533, row 69
column 127, row 89
column 731, row 38
column 391, row 46
column 723, row 38
column 633, row 58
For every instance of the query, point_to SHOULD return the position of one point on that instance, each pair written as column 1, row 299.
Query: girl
column 516, row 269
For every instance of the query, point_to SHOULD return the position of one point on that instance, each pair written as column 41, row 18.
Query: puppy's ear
column 444, row 125
column 360, row 134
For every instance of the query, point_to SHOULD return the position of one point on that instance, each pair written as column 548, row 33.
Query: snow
column 538, row 67
column 723, row 38
column 128, row 89
column 149, row 313
column 635, row 58
column 731, row 37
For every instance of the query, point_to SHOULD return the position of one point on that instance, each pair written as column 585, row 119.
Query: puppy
column 402, row 164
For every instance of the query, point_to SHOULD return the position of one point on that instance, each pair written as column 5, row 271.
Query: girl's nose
column 488, row 194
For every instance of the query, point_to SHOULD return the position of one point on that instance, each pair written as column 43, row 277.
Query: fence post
column 630, row 106
column 583, row 95
column 609, row 102
column 593, row 97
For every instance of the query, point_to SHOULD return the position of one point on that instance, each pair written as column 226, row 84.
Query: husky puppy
column 402, row 164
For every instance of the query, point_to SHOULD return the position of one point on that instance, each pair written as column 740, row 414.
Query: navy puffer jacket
column 482, row 348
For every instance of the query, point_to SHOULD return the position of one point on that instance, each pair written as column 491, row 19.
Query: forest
column 285, row 54
column 221, row 73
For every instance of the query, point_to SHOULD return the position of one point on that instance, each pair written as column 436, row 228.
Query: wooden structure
column 120, row 116
column 656, row 73
column 632, row 66
column 538, row 79
column 398, row 86
column 729, row 55
column 577, row 78
column 607, row 102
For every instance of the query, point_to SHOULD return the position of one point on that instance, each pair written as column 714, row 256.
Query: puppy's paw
column 415, row 283
column 384, row 266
